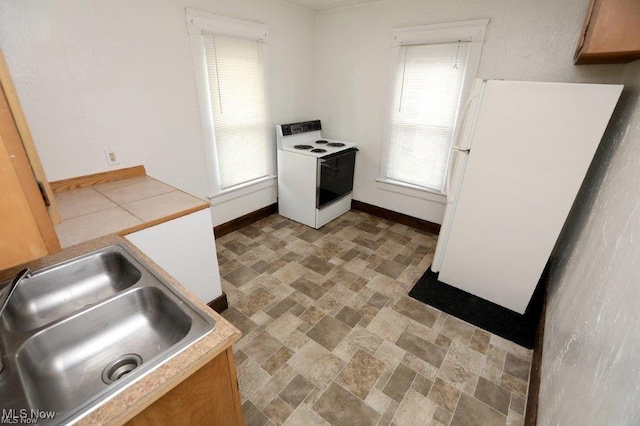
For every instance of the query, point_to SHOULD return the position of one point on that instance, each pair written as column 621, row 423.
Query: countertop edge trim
column 163, row 219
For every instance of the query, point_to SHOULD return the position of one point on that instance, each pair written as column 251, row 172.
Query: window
column 229, row 57
column 433, row 68
column 242, row 132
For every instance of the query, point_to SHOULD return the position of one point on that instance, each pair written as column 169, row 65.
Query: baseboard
column 242, row 221
column 531, row 414
column 220, row 303
column 414, row 222
column 96, row 178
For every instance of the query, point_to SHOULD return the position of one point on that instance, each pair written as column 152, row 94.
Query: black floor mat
column 520, row 329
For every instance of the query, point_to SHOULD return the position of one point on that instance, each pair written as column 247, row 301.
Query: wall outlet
column 112, row 157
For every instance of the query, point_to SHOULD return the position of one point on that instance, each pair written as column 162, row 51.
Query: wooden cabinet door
column 611, row 33
column 20, row 239
column 26, row 230
column 210, row 396
column 20, row 123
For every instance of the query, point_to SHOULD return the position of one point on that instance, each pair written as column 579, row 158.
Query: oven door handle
column 323, row 163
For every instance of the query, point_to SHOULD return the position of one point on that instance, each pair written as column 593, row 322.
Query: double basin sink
column 77, row 333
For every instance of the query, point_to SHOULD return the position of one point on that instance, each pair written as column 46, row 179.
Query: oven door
column 335, row 176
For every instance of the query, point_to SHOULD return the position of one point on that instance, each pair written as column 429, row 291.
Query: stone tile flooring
column 331, row 337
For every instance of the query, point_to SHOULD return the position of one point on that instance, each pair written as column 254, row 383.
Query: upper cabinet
column 26, row 230
column 26, row 227
column 611, row 33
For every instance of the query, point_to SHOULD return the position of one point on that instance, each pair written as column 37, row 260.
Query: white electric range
column 315, row 174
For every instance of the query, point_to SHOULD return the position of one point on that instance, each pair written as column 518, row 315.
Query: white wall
column 591, row 356
column 526, row 40
column 119, row 74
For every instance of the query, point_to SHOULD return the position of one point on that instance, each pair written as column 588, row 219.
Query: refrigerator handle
column 455, row 145
column 447, row 183
column 458, row 132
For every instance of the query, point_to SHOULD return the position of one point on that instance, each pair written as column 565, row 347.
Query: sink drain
column 120, row 367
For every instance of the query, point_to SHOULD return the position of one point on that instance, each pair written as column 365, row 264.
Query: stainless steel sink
column 65, row 288
column 106, row 323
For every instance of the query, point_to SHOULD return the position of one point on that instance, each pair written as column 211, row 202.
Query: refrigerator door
column 457, row 166
column 532, row 145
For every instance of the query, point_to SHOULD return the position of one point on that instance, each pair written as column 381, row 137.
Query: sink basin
column 64, row 364
column 65, row 288
column 70, row 354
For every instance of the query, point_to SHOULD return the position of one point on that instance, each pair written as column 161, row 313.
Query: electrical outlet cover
column 112, row 157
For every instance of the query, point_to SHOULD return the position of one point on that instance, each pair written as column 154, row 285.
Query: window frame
column 197, row 23
column 472, row 32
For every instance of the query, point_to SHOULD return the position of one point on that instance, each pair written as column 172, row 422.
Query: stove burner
column 319, row 150
column 321, row 142
column 335, row 144
column 303, row 147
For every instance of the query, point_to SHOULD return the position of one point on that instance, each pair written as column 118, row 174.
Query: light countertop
column 136, row 397
column 121, row 206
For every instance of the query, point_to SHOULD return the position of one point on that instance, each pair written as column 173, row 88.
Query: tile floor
column 331, row 337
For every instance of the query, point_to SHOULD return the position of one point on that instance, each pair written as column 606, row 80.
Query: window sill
column 412, row 190
column 242, row 190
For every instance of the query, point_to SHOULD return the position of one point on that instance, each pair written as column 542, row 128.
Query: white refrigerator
column 520, row 154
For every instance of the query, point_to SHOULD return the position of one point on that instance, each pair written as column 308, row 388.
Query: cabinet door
column 25, row 226
column 21, row 240
column 208, row 397
column 18, row 121
column 610, row 33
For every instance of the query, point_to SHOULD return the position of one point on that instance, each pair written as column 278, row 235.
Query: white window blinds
column 243, row 139
column 428, row 85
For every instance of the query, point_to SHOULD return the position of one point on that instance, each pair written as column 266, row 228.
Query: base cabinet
column 185, row 247
column 208, row 397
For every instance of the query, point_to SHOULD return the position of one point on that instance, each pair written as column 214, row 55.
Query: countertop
column 122, row 206
column 151, row 387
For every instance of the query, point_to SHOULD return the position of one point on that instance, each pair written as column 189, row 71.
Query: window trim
column 410, row 190
column 197, row 23
column 472, row 32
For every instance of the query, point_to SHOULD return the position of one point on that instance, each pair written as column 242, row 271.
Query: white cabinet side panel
column 532, row 146
column 185, row 248
column 297, row 187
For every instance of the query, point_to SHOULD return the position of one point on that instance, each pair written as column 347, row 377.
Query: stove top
column 306, row 139
column 311, row 147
